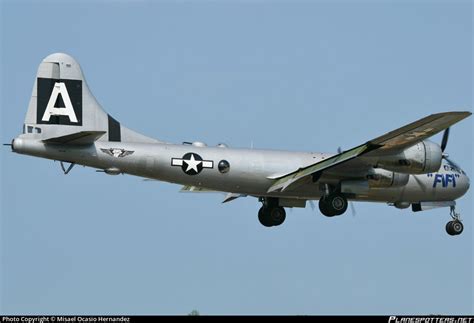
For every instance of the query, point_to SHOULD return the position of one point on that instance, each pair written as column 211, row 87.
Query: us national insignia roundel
column 192, row 163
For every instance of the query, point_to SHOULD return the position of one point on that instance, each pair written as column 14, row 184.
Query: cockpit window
column 450, row 167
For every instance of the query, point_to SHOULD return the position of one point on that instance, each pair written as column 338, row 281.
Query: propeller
column 444, row 143
column 311, row 203
column 353, row 209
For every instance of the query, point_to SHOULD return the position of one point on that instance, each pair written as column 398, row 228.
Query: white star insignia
column 192, row 164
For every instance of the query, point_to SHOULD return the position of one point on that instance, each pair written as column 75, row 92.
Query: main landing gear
column 270, row 214
column 454, row 227
column 333, row 204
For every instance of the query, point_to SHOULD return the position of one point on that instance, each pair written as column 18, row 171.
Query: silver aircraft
column 64, row 122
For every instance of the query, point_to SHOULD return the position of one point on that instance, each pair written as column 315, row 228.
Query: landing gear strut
column 454, row 227
column 270, row 214
column 333, row 204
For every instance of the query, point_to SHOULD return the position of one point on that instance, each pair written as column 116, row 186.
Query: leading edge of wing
column 396, row 139
column 287, row 180
column 419, row 130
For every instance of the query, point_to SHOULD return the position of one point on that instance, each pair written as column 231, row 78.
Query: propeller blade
column 353, row 210
column 311, row 203
column 444, row 142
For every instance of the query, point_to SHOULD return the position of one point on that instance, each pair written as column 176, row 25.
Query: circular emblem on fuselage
column 192, row 163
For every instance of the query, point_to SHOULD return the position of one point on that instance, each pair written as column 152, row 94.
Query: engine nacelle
column 385, row 178
column 377, row 178
column 424, row 157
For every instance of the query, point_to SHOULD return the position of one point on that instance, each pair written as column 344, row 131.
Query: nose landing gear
column 454, row 227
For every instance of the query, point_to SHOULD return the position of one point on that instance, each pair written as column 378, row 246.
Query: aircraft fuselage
column 250, row 171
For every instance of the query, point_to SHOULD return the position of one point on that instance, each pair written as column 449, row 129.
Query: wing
column 398, row 139
column 195, row 189
column 419, row 130
column 284, row 182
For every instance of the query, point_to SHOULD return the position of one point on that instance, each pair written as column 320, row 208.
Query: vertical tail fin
column 62, row 105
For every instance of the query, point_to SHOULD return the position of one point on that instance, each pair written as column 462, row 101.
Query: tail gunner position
column 64, row 122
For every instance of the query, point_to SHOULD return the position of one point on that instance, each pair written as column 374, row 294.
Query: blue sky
column 303, row 76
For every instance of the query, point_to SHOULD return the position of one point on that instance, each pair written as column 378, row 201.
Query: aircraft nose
column 464, row 183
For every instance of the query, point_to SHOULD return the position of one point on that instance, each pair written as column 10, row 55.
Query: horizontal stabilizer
column 78, row 138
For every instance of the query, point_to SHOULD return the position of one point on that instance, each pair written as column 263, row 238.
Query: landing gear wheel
column 454, row 227
column 324, row 208
column 264, row 217
column 334, row 204
column 338, row 204
column 448, row 228
column 458, row 227
column 277, row 215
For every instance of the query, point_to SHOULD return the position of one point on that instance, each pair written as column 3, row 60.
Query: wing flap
column 232, row 196
column 195, row 189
